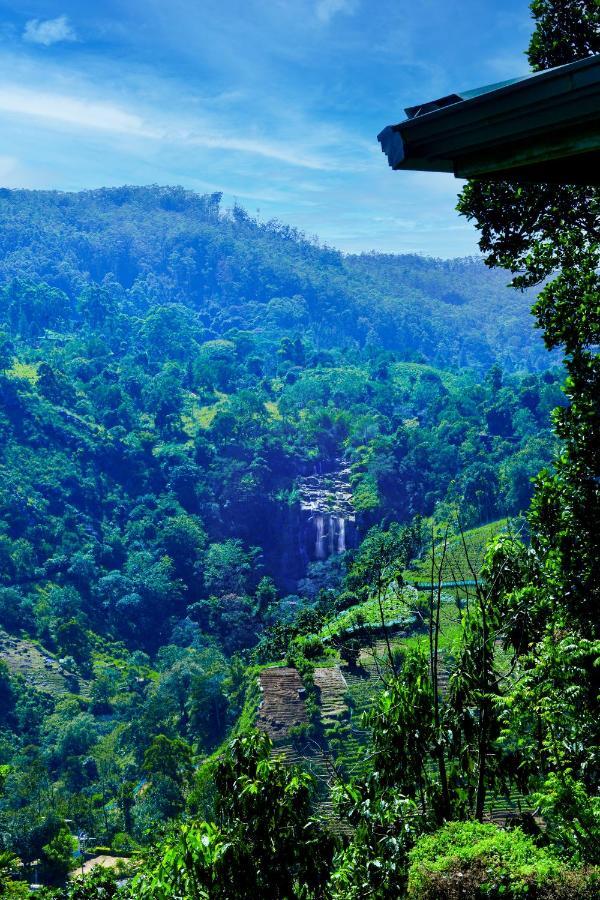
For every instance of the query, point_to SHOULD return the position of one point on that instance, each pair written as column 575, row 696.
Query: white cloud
column 71, row 111
column 258, row 147
column 86, row 115
column 49, row 31
column 327, row 9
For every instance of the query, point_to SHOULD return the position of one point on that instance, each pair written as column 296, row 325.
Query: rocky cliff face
column 319, row 524
column 327, row 516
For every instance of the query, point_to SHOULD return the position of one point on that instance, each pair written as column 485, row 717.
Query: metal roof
column 542, row 127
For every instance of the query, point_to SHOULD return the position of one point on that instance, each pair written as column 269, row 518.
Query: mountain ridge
column 175, row 246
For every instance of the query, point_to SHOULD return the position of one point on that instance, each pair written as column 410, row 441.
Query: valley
column 248, row 489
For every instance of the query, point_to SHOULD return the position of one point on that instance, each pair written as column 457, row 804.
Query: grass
column 460, row 558
column 396, row 611
column 27, row 371
column 450, row 629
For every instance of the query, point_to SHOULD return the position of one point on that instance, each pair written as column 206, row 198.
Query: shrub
column 477, row 861
column 312, row 647
column 123, row 843
column 300, row 734
column 350, row 652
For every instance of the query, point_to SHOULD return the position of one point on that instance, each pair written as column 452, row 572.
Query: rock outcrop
column 328, row 518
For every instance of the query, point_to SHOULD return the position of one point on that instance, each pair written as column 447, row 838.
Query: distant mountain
column 160, row 358
column 163, row 245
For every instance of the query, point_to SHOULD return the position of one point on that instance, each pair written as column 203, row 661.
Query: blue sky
column 275, row 103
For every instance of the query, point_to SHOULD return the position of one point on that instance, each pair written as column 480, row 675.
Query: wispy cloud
column 93, row 115
column 49, row 31
column 257, row 147
column 71, row 111
column 327, row 9
column 276, row 103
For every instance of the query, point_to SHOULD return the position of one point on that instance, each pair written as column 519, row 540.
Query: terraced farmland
column 40, row 669
column 345, row 691
column 332, row 689
column 464, row 555
column 283, row 703
column 283, row 710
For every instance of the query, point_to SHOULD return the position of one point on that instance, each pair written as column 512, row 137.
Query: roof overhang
column 544, row 127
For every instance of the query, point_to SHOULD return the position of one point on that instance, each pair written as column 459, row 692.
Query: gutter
column 547, row 117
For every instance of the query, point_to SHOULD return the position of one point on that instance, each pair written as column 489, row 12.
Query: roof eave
column 551, row 116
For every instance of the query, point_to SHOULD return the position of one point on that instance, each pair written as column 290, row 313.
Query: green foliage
column 99, row 885
column 572, row 816
column 172, row 758
column 266, row 844
column 549, row 595
column 168, row 373
column 6, row 352
column 373, row 864
column 565, row 30
column 57, row 856
column 482, row 861
column 9, row 887
column 382, row 557
column 73, row 641
column 402, row 721
column 227, row 568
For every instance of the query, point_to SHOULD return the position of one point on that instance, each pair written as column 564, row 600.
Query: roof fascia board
column 567, row 97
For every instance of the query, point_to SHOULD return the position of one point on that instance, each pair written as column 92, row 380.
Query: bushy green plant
column 100, row 884
column 484, row 862
column 9, row 888
column 266, row 845
column 123, row 843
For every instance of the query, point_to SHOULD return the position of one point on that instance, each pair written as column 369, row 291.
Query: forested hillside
column 300, row 551
column 151, row 247
column 201, row 417
column 170, row 372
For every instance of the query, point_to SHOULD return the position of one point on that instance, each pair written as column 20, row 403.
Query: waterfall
column 327, row 515
column 320, row 551
column 330, row 535
column 341, row 538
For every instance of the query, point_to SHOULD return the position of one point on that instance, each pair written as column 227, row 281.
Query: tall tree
column 550, row 234
column 266, row 845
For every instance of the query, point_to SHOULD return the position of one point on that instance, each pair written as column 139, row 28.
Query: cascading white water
column 331, row 534
column 341, row 537
column 328, row 518
column 320, row 552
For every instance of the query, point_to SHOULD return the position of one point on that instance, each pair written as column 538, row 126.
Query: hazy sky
column 275, row 103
